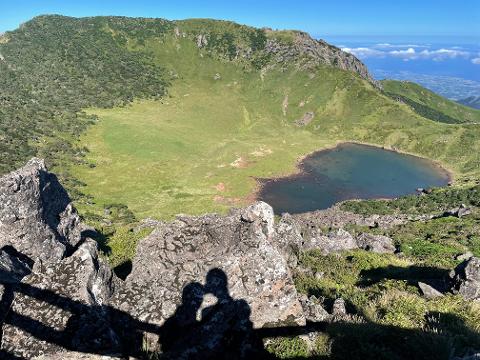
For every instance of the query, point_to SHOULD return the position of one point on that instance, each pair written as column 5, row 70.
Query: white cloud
column 443, row 54
column 364, row 52
column 440, row 54
column 476, row 61
column 409, row 53
column 399, row 46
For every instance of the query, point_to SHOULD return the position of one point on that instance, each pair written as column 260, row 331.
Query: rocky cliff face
column 200, row 287
column 308, row 52
column 231, row 41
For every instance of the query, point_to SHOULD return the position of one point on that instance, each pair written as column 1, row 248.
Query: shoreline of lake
column 441, row 172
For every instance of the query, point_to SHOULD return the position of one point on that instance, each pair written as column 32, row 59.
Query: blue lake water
column 350, row 171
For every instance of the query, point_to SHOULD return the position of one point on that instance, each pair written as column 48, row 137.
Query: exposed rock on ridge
column 313, row 52
column 36, row 216
column 301, row 50
column 52, row 283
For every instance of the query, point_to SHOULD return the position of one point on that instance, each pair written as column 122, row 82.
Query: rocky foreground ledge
column 59, row 300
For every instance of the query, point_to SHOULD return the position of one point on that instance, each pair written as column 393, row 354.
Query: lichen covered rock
column 36, row 216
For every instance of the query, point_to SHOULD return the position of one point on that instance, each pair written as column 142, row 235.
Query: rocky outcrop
column 313, row 309
column 305, row 119
column 58, row 306
column 303, row 232
column 36, row 216
column 335, row 217
column 334, row 241
column 376, row 243
column 300, row 50
column 466, row 279
column 309, row 52
column 246, row 265
column 288, row 239
column 459, row 212
column 52, row 283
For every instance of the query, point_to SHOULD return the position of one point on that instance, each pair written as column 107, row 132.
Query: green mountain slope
column 54, row 66
column 472, row 101
column 216, row 104
column 430, row 105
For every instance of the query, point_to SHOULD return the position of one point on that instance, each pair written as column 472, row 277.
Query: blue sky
column 320, row 18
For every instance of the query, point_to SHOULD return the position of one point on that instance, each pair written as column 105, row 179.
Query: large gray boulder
column 376, row 243
column 334, row 241
column 36, row 216
column 231, row 261
column 466, row 279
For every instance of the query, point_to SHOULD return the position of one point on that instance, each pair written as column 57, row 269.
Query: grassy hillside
column 201, row 148
column 215, row 105
column 52, row 68
column 235, row 94
column 430, row 105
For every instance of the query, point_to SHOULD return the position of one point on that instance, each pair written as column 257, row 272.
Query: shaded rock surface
column 466, row 279
column 60, row 305
column 52, row 283
column 429, row 291
column 36, row 216
column 313, row 309
column 14, row 266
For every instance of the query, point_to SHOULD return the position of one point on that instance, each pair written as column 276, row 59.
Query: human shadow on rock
column 92, row 329
column 223, row 331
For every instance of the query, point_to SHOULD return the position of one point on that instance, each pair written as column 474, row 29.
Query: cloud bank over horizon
column 408, row 52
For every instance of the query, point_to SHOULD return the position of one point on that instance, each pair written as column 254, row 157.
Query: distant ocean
column 449, row 66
